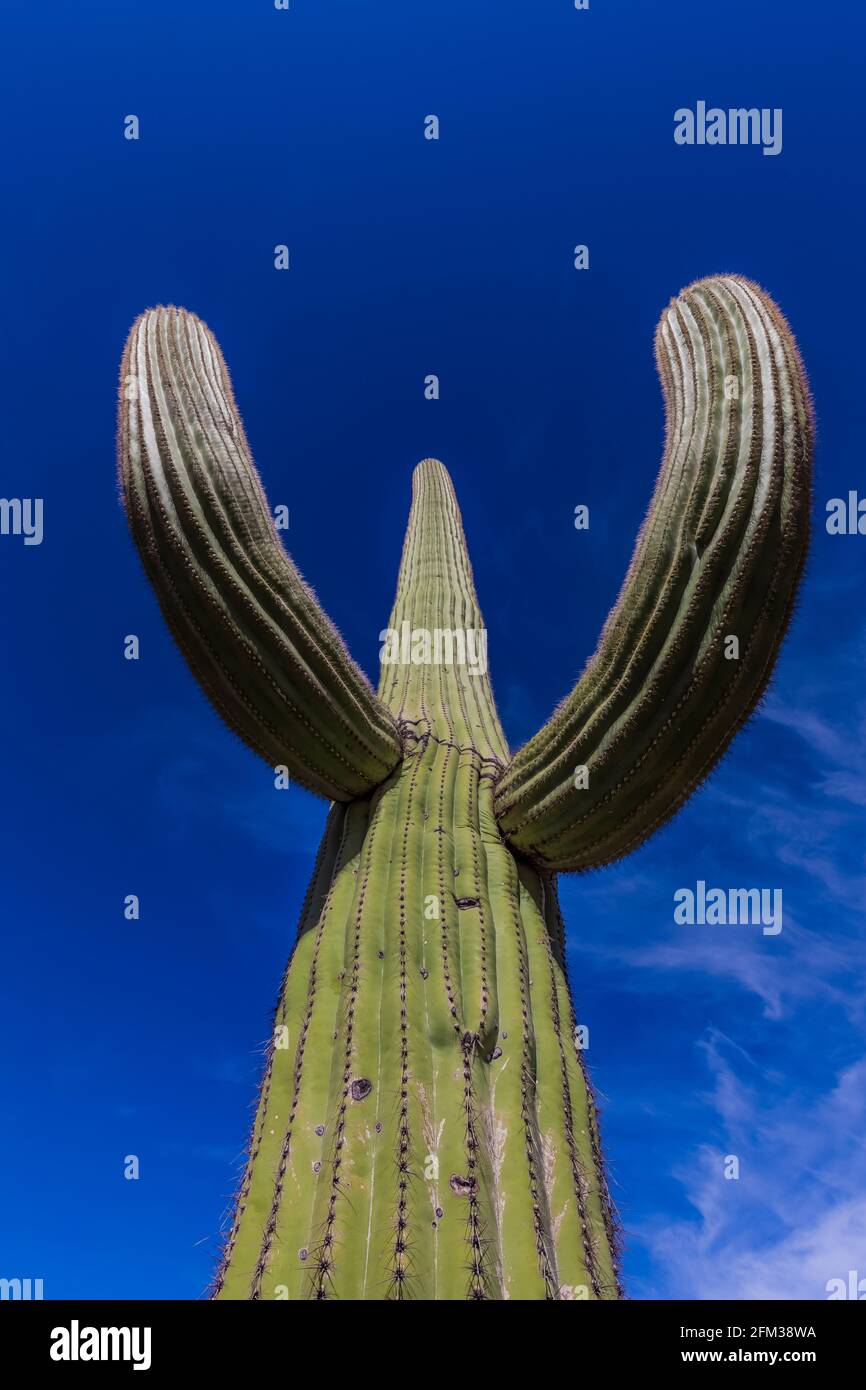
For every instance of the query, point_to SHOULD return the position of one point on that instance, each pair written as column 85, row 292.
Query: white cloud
column 796, row 1216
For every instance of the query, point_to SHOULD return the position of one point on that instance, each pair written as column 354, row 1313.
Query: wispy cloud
column 795, row 1217
column 807, row 966
column 779, row 1078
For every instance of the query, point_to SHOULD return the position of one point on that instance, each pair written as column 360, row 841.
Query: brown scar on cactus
column 425, row 790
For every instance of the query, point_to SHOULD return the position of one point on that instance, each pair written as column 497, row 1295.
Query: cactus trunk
column 428, row 1130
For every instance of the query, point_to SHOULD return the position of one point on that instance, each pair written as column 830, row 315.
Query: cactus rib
column 719, row 557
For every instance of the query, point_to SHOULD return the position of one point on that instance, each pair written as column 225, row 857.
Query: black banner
column 80, row 1338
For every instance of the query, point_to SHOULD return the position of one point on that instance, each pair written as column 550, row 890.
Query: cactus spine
column 425, row 1127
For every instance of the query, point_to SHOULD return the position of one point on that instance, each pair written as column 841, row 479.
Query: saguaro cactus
column 425, row 1127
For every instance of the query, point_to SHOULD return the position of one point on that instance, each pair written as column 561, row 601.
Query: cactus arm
column 719, row 556
column 251, row 630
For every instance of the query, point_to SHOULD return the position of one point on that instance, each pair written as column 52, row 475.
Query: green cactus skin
column 425, row 1126
column 252, row 632
column 720, row 554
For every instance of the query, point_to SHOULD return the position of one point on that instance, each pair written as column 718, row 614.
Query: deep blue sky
column 408, row 257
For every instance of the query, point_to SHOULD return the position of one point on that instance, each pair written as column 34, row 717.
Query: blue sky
column 304, row 127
